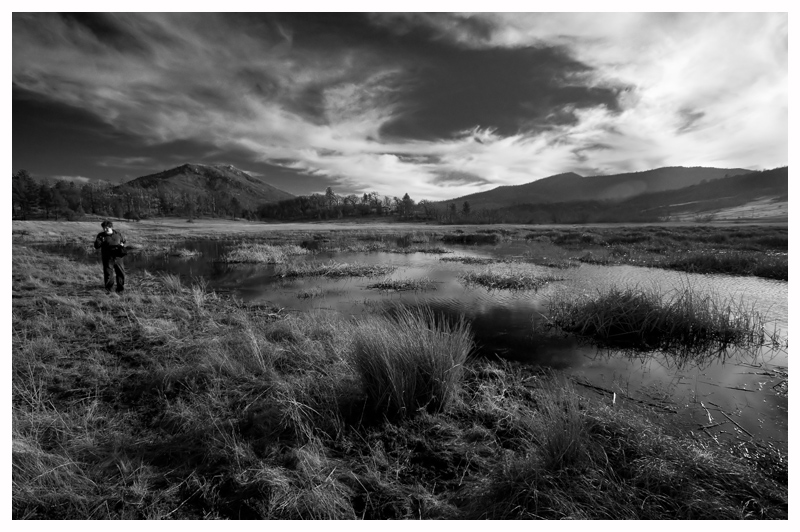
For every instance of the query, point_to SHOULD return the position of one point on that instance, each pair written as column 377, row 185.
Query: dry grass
column 411, row 361
column 508, row 279
column 263, row 254
column 334, row 269
column 680, row 320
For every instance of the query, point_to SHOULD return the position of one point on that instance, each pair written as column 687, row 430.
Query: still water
column 745, row 385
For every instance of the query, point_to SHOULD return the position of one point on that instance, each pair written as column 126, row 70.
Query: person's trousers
column 113, row 267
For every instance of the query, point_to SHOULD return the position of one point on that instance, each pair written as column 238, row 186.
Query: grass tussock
column 403, row 285
column 263, row 254
column 335, row 269
column 511, row 279
column 647, row 319
column 750, row 263
column 584, row 461
column 411, row 361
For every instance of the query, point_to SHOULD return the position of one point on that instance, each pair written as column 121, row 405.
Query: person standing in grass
column 112, row 248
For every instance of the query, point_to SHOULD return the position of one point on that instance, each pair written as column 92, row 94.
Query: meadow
column 176, row 402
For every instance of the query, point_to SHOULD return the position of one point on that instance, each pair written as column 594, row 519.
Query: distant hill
column 197, row 179
column 736, row 196
column 573, row 187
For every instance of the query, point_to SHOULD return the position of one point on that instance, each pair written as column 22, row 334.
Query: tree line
column 68, row 200
column 58, row 200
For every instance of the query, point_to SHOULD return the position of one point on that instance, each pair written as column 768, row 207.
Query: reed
column 403, row 285
column 649, row 319
column 334, row 269
column 511, row 279
column 263, row 254
column 755, row 263
column 411, row 361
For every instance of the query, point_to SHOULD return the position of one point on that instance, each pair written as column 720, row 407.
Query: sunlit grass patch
column 263, row 254
column 510, row 279
column 648, row 319
column 402, row 285
column 411, row 361
column 477, row 260
column 335, row 269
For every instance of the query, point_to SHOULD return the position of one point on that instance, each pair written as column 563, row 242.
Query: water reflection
column 510, row 324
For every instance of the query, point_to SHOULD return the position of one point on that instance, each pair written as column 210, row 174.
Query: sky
column 436, row 105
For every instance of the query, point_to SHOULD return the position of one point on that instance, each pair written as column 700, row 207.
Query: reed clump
column 511, row 279
column 411, row 361
column 335, row 269
column 649, row 319
column 403, row 285
column 755, row 263
column 263, row 254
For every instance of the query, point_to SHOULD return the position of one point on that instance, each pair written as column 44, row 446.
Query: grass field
column 173, row 402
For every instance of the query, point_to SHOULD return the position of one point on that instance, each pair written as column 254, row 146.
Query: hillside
column 754, row 195
column 197, row 179
column 573, row 187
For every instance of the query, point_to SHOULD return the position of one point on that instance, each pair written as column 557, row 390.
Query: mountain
column 573, row 187
column 759, row 195
column 196, row 179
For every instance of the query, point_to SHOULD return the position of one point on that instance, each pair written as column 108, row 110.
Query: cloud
column 127, row 162
column 435, row 105
column 73, row 178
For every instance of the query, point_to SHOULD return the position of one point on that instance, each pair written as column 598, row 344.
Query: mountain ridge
column 570, row 186
column 193, row 178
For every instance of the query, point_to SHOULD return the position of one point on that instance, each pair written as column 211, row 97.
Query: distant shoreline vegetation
column 699, row 202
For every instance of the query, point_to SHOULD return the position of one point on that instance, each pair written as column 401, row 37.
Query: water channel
column 747, row 385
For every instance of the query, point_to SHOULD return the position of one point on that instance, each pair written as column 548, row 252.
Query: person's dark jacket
column 109, row 245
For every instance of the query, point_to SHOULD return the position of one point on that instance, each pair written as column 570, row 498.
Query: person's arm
column 122, row 239
column 99, row 241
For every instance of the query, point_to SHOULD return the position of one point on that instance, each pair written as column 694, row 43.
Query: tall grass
column 587, row 461
column 648, row 319
column 263, row 253
column 756, row 263
column 509, row 279
column 335, row 269
column 411, row 361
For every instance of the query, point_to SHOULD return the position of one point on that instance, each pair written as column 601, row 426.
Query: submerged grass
column 648, row 319
column 508, row 279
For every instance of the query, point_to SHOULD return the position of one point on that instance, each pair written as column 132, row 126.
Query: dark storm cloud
column 508, row 90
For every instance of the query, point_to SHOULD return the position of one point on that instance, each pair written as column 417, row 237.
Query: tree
column 24, row 193
column 453, row 210
column 407, row 205
column 465, row 209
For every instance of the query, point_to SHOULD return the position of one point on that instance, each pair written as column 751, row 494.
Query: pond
column 744, row 391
